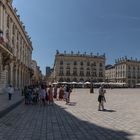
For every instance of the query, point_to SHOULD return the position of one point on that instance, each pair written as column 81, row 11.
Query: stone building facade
column 79, row 67
column 125, row 71
column 15, row 48
column 110, row 73
column 49, row 75
column 37, row 74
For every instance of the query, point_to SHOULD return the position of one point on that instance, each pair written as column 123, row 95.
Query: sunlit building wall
column 15, row 48
column 79, row 67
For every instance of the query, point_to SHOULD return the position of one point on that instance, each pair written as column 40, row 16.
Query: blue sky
column 105, row 26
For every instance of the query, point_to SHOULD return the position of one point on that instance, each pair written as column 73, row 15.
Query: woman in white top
column 10, row 91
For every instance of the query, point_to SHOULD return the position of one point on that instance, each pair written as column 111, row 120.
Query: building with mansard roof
column 15, row 48
column 70, row 67
column 37, row 74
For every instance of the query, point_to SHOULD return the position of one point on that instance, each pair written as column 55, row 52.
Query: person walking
column 61, row 93
column 70, row 90
column 10, row 91
column 101, row 98
column 55, row 92
column 26, row 95
column 50, row 95
column 42, row 94
column 67, row 93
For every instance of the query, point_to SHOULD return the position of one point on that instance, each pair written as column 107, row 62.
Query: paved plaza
column 6, row 105
column 80, row 120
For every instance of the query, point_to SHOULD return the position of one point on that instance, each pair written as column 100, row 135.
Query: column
column 4, row 23
column 19, row 78
column 24, row 78
column 11, row 73
column 6, row 74
column 1, row 17
column 0, row 72
column 28, row 79
column 16, row 76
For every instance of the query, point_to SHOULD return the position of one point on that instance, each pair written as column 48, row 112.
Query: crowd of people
column 44, row 95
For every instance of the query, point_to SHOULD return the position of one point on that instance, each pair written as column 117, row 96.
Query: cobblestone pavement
column 6, row 105
column 78, row 121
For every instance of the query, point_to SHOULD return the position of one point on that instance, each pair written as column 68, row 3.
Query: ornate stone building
column 49, row 75
column 110, row 73
column 125, row 71
column 15, row 48
column 79, row 67
column 37, row 75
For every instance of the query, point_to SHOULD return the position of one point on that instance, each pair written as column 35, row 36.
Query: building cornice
column 19, row 25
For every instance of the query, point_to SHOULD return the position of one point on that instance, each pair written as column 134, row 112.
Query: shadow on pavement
column 84, row 130
column 109, row 110
column 53, row 123
column 72, row 104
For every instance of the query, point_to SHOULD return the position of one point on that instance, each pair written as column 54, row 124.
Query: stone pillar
column 6, row 75
column 0, row 72
column 28, row 77
column 23, row 78
column 11, row 74
column 4, row 23
column 29, row 81
column 19, row 78
column 16, row 76
column 1, row 17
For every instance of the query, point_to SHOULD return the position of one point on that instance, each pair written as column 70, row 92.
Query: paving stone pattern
column 80, row 120
column 7, row 105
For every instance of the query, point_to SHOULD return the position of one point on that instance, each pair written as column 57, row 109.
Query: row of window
column 94, row 74
column 123, row 72
column 82, row 63
column 129, row 76
column 20, row 49
column 129, row 67
column 82, row 68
